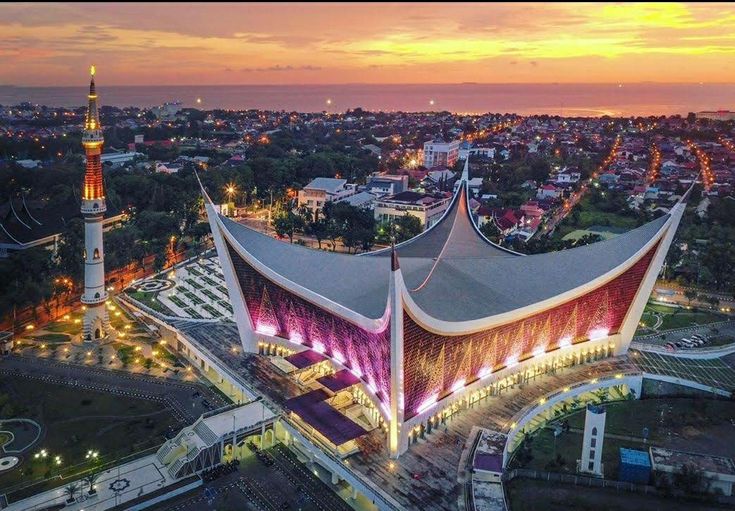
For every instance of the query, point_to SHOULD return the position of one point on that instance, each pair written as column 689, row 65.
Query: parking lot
column 283, row 483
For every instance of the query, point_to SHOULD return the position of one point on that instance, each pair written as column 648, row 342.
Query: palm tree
column 70, row 491
column 90, row 479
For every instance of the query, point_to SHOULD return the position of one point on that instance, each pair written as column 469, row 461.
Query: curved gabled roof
column 451, row 272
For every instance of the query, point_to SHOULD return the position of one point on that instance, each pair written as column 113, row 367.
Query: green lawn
column 53, row 338
column 687, row 318
column 676, row 317
column 77, row 420
column 67, row 327
column 626, row 418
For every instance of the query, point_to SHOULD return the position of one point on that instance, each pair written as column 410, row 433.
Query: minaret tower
column 96, row 322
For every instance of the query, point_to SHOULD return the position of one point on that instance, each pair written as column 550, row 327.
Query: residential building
column 428, row 208
column 439, row 153
column 322, row 190
column 383, row 184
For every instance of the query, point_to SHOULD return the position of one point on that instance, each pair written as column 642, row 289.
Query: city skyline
column 226, row 44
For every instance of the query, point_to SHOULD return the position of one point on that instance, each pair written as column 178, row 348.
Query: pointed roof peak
column 394, row 263
column 466, row 169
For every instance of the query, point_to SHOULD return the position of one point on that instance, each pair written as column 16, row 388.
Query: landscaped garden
column 77, row 421
column 667, row 423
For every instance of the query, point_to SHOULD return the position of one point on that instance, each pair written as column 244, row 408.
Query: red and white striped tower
column 96, row 321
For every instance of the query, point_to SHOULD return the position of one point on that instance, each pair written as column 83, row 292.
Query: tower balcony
column 95, row 299
column 93, row 206
column 92, row 137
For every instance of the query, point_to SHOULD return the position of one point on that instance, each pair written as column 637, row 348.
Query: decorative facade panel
column 435, row 364
column 277, row 311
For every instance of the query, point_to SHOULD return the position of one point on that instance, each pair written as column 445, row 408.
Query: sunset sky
column 140, row 44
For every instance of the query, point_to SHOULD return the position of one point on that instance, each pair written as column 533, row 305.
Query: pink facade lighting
column 599, row 333
column 266, row 330
column 427, row 404
column 336, row 355
column 318, row 346
column 539, row 352
column 485, row 372
column 565, row 342
column 296, row 338
column 511, row 361
column 458, row 385
column 356, row 370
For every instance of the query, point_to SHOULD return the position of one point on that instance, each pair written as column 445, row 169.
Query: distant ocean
column 525, row 99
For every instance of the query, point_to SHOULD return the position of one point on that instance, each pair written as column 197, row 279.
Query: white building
column 322, row 190
column 594, row 435
column 427, row 208
column 439, row 153
column 484, row 152
column 567, row 177
column 117, row 159
column 386, row 185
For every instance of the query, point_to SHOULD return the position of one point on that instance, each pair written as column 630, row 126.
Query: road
column 673, row 292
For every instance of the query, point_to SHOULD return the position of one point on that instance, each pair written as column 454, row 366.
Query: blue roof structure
column 634, row 457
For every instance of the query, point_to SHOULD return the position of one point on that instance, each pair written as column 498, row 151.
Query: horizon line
column 339, row 84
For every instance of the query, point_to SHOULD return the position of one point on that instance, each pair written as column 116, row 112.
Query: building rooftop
column 327, row 184
column 634, row 457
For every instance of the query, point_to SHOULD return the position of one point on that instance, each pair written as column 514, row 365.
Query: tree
column 70, row 490
column 318, row 229
column 490, row 231
column 287, row 223
column 71, row 249
column 690, row 294
column 690, row 479
column 90, row 479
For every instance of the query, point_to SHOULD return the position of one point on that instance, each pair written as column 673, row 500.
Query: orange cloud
column 51, row 44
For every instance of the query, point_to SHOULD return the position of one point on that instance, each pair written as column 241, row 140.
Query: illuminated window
column 96, row 253
column 85, row 254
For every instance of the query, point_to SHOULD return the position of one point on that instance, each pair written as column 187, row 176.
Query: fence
column 598, row 482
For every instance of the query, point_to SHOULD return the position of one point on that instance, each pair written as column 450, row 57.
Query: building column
column 397, row 438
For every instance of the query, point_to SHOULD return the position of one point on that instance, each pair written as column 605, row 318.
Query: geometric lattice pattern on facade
column 276, row 311
column 434, row 363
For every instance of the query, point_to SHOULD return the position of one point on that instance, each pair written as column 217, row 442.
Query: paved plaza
column 114, row 486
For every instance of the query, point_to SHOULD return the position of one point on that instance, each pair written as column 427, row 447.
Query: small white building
column 439, row 153
column 565, row 177
column 594, row 435
column 426, row 207
column 322, row 190
column 28, row 164
column 386, row 184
